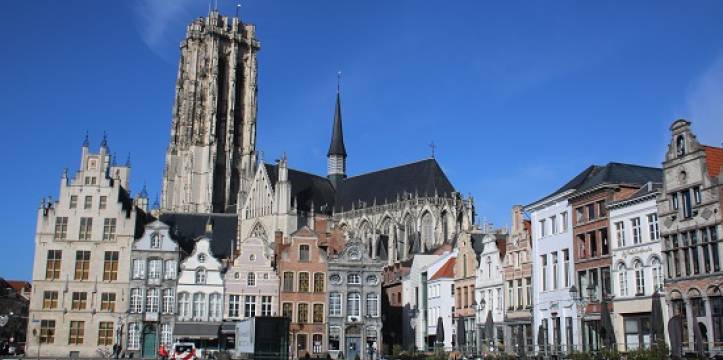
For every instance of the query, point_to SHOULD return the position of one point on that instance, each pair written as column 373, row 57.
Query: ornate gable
column 260, row 199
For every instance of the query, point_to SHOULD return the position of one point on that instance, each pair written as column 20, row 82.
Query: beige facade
column 82, row 254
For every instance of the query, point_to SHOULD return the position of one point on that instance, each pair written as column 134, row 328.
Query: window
column 302, row 313
column 653, row 227
column 579, row 215
column 251, row 279
column 105, row 333
column 77, row 332
column 234, row 302
column 88, row 203
column 353, row 279
column 214, row 307
column 528, row 292
column 110, row 266
column 316, row 342
column 318, row 282
column 168, row 301
column 166, row 334
column 155, row 241
column 303, row 282
column 103, row 202
column 657, row 274
column 620, row 233
column 590, row 211
column 687, row 206
column 675, row 201
column 303, row 253
column 563, row 220
column 622, row 280
column 86, row 227
column 694, row 246
column 373, row 304
column 154, row 268
column 82, row 265
column 107, row 302
column 50, row 299
column 134, row 336
column 199, row 306
column 568, row 331
column 287, row 310
column 680, row 145
column 353, row 302
column 109, row 229
column 52, row 265
column 639, row 278
column 566, row 267
column 714, row 247
column 61, row 228
column 80, row 300
column 334, row 338
column 335, row 304
column 152, row 296
column 637, row 332
column 139, row 268
column 604, row 241
column 637, row 239
column 318, row 315
column 266, row 306
column 542, row 228
column 301, row 342
column 288, row 281
column 554, row 271
column 249, row 306
column 73, row 202
column 169, row 272
column 553, row 224
column 716, row 308
column 592, row 236
column 696, row 194
column 201, row 276
column 47, row 331
column 136, row 301
column 427, row 229
column 184, row 305
column 543, row 260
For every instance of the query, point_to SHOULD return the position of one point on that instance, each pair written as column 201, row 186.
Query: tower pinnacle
column 336, row 157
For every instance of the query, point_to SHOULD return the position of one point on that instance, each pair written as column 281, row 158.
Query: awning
column 228, row 328
column 196, row 330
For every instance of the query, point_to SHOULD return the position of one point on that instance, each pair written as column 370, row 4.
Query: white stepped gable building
column 200, row 293
column 252, row 285
column 489, row 291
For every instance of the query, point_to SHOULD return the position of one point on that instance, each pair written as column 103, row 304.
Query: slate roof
column 336, row 147
column 422, row 177
column 618, row 173
column 307, row 189
column 186, row 228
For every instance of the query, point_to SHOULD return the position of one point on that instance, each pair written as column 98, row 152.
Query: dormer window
column 201, row 276
column 680, row 145
column 201, row 257
column 155, row 241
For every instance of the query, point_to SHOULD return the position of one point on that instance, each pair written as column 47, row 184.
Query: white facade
column 200, row 286
column 252, row 284
column 552, row 279
column 414, row 302
column 637, row 270
column 489, row 290
column 440, row 299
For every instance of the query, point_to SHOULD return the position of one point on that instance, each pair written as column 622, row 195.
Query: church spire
column 336, row 157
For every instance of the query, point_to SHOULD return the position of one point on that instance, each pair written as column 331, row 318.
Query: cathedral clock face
column 354, row 253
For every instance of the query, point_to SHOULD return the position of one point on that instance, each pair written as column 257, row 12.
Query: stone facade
column 637, row 270
column 689, row 211
column 465, row 309
column 302, row 267
column 152, row 292
column 517, row 270
column 354, row 280
column 83, row 247
column 212, row 149
column 440, row 289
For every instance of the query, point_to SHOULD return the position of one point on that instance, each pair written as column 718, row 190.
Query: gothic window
column 427, row 230
column 445, row 227
column 409, row 235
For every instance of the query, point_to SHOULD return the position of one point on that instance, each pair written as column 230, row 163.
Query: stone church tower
column 212, row 150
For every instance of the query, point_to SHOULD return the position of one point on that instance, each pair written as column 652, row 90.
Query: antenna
column 433, row 147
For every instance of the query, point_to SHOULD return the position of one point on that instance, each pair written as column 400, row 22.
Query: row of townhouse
column 581, row 268
column 109, row 275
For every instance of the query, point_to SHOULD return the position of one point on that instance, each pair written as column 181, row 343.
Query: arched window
column 353, row 279
column 184, row 305
column 680, row 145
column 445, row 227
column 155, row 241
column 199, row 306
column 427, row 230
column 251, row 279
column 639, row 278
column 657, row 274
column 622, row 280
column 353, row 303
column 201, row 276
column 409, row 234
column 214, row 306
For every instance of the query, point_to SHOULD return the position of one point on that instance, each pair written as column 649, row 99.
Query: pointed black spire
column 86, row 142
column 104, row 142
column 337, row 136
column 128, row 160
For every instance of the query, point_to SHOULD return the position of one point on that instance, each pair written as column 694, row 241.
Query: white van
column 183, row 351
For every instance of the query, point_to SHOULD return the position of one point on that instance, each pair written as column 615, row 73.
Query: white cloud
column 161, row 24
column 705, row 103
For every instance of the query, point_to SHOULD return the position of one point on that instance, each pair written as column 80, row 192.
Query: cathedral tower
column 212, row 150
column 336, row 157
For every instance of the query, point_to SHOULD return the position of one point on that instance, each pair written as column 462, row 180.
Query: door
column 353, row 348
column 149, row 342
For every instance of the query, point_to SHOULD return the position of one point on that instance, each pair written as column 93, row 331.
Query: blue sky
column 518, row 96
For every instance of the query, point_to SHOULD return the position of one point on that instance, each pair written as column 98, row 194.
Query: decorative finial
column 112, row 159
column 86, row 142
column 104, row 142
column 338, row 82
column 128, row 160
column 144, row 191
column 238, row 7
column 433, row 147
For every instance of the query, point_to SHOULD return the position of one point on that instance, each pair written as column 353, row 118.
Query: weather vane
column 433, row 147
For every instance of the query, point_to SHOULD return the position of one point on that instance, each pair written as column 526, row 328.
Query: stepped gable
column 307, row 189
column 422, row 177
column 186, row 228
